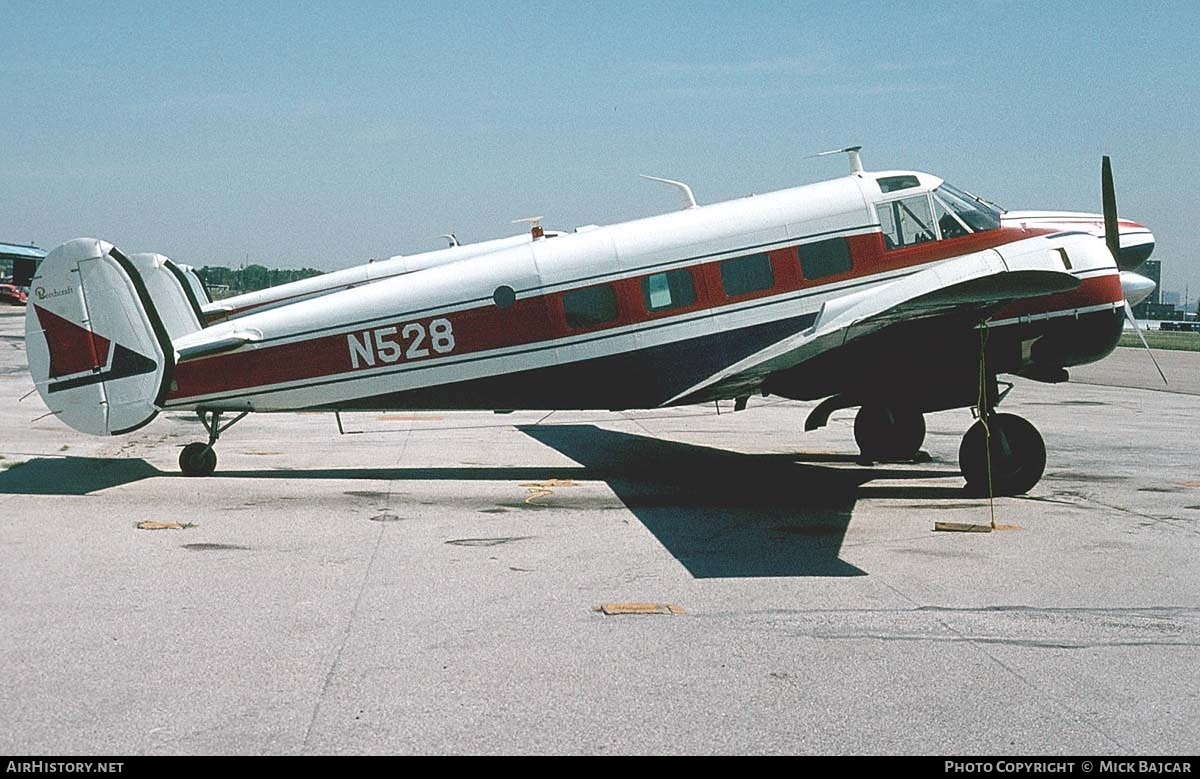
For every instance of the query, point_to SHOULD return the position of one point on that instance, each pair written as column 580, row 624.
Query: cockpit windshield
column 960, row 212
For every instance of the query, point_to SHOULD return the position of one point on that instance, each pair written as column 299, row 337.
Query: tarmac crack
column 970, row 639
column 1171, row 522
column 983, row 647
column 327, row 682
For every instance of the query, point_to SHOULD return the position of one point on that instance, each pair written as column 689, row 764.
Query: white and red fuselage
column 628, row 315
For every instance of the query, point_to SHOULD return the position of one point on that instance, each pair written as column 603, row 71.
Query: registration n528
column 394, row 343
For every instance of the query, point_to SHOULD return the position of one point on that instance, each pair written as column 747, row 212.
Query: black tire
column 888, row 433
column 197, row 459
column 1018, row 456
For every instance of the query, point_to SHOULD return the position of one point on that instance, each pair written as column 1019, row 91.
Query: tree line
column 252, row 277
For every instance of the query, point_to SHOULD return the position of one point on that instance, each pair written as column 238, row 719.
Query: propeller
column 1112, row 231
column 1112, row 237
column 1142, row 338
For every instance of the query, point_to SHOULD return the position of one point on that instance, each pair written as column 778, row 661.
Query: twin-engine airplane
column 894, row 292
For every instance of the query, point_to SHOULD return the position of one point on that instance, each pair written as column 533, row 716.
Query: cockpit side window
column 948, row 222
column 907, row 221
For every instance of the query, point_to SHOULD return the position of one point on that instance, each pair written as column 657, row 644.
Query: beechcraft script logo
column 79, row 357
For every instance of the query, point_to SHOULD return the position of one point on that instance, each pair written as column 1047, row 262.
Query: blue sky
column 322, row 134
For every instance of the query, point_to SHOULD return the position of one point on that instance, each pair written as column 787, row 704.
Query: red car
column 12, row 295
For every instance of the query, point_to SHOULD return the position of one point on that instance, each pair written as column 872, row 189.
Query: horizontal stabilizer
column 219, row 346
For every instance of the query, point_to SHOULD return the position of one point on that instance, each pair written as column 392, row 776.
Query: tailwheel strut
column 200, row 459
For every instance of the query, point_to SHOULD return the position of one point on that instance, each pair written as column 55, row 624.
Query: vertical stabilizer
column 99, row 353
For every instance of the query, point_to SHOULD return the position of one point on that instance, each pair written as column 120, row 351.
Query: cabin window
column 590, row 306
column 906, row 222
column 824, row 258
column 673, row 289
column 743, row 275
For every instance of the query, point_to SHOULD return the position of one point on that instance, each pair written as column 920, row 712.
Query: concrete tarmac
column 427, row 583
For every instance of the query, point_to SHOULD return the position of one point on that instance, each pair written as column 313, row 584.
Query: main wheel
column 197, row 459
column 1018, row 455
column 888, row 432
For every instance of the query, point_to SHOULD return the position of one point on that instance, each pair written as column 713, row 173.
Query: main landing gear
column 199, row 459
column 888, row 432
column 1001, row 454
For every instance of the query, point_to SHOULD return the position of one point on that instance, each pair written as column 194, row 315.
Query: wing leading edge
column 975, row 284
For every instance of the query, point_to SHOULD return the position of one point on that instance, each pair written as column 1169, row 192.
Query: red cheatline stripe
column 1093, row 291
column 540, row 318
column 73, row 349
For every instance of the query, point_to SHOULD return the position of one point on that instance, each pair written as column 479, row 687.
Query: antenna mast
column 850, row 151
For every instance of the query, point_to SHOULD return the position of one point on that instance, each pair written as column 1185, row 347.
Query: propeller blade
column 1142, row 338
column 1112, row 229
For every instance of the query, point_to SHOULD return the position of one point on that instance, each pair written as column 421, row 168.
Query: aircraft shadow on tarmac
column 721, row 514
column 729, row 515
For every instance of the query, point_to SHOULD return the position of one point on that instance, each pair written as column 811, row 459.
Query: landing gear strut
column 199, row 459
column 888, row 432
column 1016, row 452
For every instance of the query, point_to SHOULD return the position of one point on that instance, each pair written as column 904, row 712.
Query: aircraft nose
column 1137, row 244
column 1134, row 286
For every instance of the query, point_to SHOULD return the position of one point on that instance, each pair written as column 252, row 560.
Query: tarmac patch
column 539, row 489
column 615, row 609
column 1069, row 403
column 809, row 530
column 152, row 524
column 1077, row 476
column 941, row 506
column 487, row 541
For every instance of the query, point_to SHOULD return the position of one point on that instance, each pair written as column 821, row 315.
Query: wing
column 973, row 285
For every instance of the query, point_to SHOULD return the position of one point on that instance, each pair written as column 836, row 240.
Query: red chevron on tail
column 72, row 348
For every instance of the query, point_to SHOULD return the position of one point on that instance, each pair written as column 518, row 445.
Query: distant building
column 1171, row 298
column 1157, row 311
column 19, row 261
column 1151, row 269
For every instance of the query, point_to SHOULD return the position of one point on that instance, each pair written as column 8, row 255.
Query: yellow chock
column 970, row 527
column 962, row 527
column 611, row 609
column 152, row 524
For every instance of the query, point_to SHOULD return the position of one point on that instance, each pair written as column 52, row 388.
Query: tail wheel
column 198, row 459
column 1018, row 455
column 888, row 433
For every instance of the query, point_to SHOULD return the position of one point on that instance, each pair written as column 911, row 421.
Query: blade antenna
column 686, row 198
